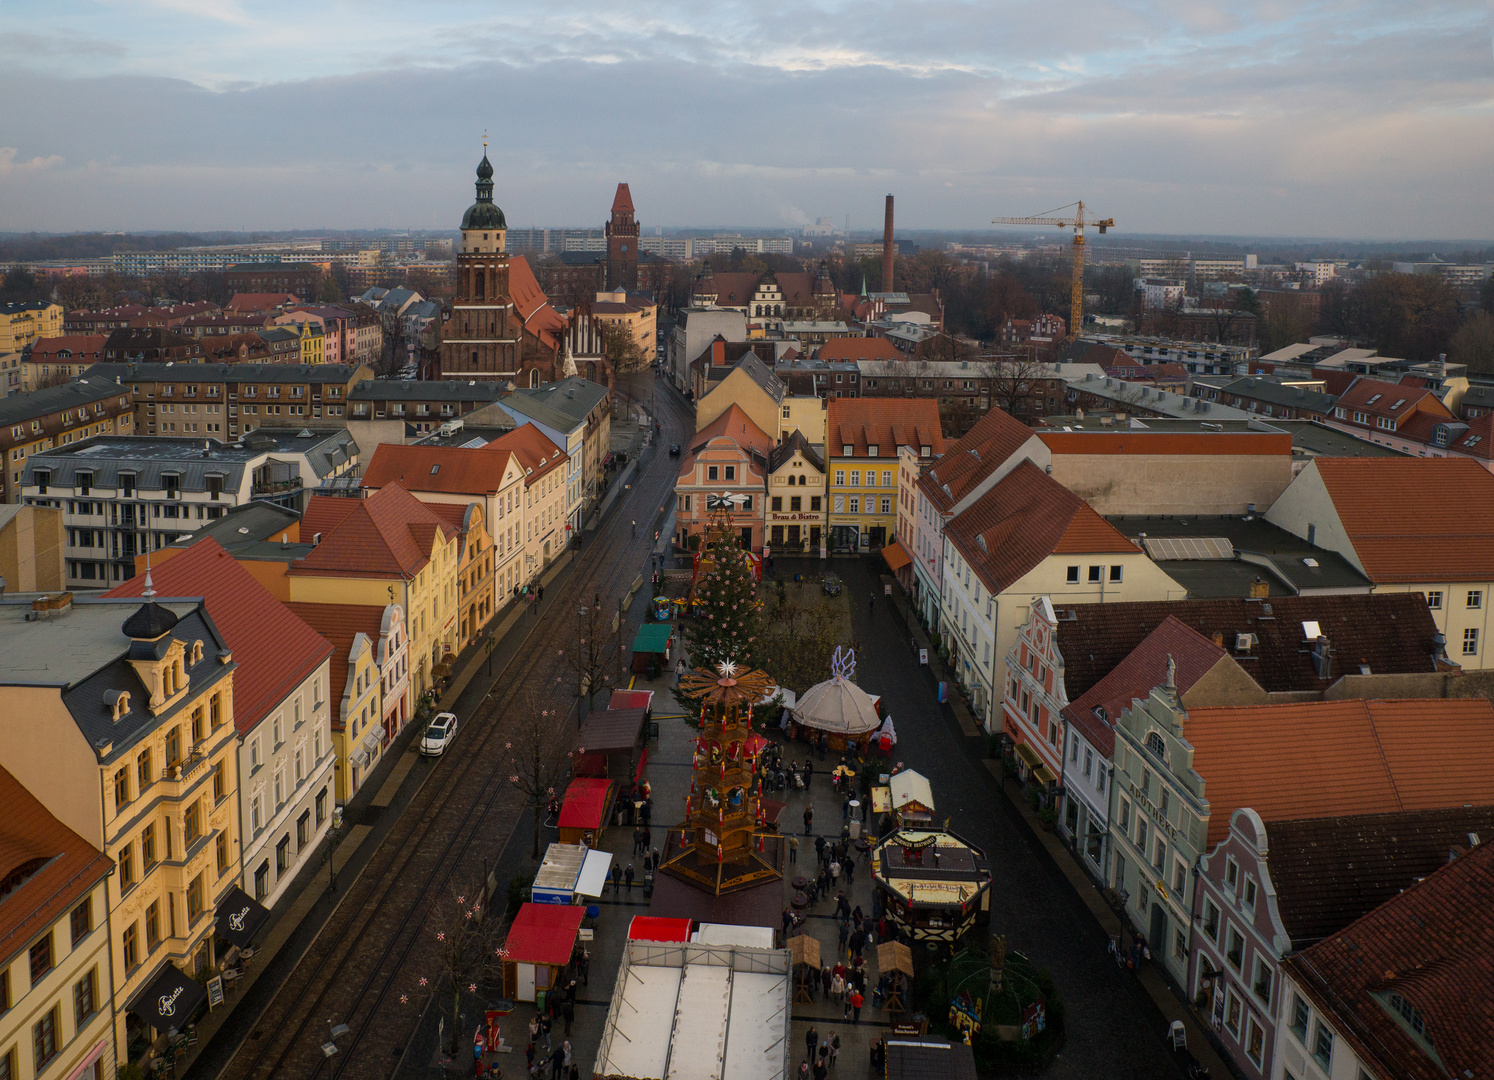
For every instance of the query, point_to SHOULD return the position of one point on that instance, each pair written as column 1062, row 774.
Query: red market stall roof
column 544, row 934
column 585, row 803
column 631, row 699
column 655, row 928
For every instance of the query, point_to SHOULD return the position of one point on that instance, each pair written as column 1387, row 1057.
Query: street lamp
column 581, row 672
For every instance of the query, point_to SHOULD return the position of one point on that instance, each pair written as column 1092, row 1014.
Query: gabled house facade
column 728, row 459
column 796, row 514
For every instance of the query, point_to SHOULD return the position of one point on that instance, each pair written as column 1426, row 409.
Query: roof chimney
column 887, row 249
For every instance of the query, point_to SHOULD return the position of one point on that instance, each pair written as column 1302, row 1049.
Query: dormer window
column 118, row 702
column 1156, row 746
column 871, row 450
column 196, row 653
column 847, row 449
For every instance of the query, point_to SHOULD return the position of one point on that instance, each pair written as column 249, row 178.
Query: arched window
column 1155, row 744
column 480, row 290
column 534, row 378
column 474, row 359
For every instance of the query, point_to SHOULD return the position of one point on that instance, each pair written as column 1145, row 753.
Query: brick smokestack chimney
column 887, row 249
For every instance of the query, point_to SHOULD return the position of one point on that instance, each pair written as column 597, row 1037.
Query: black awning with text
column 169, row 1000
column 240, row 916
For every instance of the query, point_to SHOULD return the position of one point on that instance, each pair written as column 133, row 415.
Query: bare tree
column 537, row 758
column 469, row 946
column 597, row 654
column 1015, row 380
column 625, row 355
column 946, row 347
column 796, row 641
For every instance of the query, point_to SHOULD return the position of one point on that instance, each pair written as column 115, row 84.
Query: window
column 1073, row 575
column 1179, row 944
column 840, row 478
column 121, row 787
column 1095, row 573
column 1156, row 746
column 1434, row 600
column 85, row 999
column 1125, row 817
column 1166, row 802
column 152, row 925
column 855, row 504
column 219, row 785
column 712, row 472
column 220, row 848
column 303, row 829
column 1232, row 1013
column 1470, row 641
column 1475, row 598
column 256, row 814
column 1234, row 948
column 777, row 503
column 262, row 880
column 82, row 920
column 856, row 477
column 148, row 846
column 41, row 957
column 173, row 746
column 1143, row 833
column 1159, row 855
column 1322, row 1045
column 44, row 1039
column 194, row 898
column 1249, row 897
column 143, row 770
column 282, row 855
column 1255, row 1039
column 192, row 822
column 1260, row 986
column 1231, row 873
column 130, row 947
column 1115, row 574
column 1179, row 878
column 321, row 806
column 126, row 860
column 1211, row 920
column 1298, row 1023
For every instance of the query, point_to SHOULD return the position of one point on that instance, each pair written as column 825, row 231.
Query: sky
column 1328, row 118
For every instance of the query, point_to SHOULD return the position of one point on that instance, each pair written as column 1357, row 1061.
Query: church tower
column 483, row 337
column 622, row 243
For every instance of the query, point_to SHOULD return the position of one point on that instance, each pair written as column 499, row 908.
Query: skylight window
column 1374, row 399
column 1311, row 630
column 1398, row 403
column 435, row 469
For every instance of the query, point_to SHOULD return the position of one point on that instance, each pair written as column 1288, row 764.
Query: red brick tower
column 622, row 242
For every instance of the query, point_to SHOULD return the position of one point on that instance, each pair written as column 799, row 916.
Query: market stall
column 652, row 647
column 656, row 928
column 612, row 745
column 586, row 809
column 912, row 798
column 570, row 874
column 632, row 699
column 935, row 885
column 540, row 944
column 840, row 709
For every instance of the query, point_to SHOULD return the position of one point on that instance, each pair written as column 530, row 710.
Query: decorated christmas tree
column 725, row 588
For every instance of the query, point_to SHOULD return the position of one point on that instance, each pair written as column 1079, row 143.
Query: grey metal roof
column 1312, row 439
column 562, row 404
column 485, row 390
column 244, row 525
column 83, row 650
column 191, row 460
column 786, row 449
column 18, row 408
column 1260, row 388
column 159, row 371
column 758, row 372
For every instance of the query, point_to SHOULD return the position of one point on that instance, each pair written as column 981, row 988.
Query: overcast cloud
column 1368, row 119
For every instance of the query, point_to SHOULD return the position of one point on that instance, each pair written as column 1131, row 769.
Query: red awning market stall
column 655, row 928
column 632, row 699
column 540, row 944
column 587, row 805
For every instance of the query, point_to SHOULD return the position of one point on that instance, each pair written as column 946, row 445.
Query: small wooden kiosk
column 540, row 944
column 586, row 809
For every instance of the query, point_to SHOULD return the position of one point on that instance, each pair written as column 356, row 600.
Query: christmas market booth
column 570, row 874
column 911, row 798
column 846, row 714
column 612, row 745
column 935, row 885
column 652, row 646
column 585, row 810
column 540, row 944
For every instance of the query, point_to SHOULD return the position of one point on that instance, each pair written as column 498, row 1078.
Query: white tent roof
column 837, row 705
column 910, row 787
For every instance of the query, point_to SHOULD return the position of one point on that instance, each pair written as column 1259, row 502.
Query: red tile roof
column 859, row 348
column 734, row 289
column 258, row 301
column 340, row 624
column 535, row 453
column 1478, row 440
column 1135, row 677
column 1025, row 518
column 885, row 423
column 456, row 470
column 29, row 832
column 389, row 534
column 732, row 424
column 622, row 202
column 275, row 651
column 1433, row 945
column 82, row 347
column 324, row 513
column 1390, row 399
column 1415, row 519
column 1328, row 758
column 972, row 458
column 540, row 319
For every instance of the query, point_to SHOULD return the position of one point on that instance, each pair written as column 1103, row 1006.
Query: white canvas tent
column 838, row 706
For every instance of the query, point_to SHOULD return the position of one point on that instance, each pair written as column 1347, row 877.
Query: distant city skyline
column 1174, row 118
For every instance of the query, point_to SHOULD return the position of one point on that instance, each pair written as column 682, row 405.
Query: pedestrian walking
column 568, row 1012
column 857, row 1000
column 793, row 846
column 534, row 1034
column 575, row 1071
column 637, row 839
column 557, row 1063
column 843, row 934
column 545, row 1031
column 834, row 1048
column 811, row 1039
column 788, row 921
column 529, row 1053
column 848, row 867
column 585, row 966
column 628, row 878
column 617, row 875
column 820, row 1070
column 824, row 745
column 838, row 987
column 819, row 848
column 825, row 978
column 539, row 593
column 809, row 770
column 842, row 906
column 834, row 872
column 808, row 818
column 646, row 811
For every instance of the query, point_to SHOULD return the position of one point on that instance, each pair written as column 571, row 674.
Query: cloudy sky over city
column 1370, row 119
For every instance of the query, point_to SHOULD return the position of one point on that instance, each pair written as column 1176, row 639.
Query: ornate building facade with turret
column 502, row 325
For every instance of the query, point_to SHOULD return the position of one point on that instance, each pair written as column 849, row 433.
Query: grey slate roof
column 758, row 372
column 18, row 408
column 786, row 449
column 152, row 458
column 82, row 651
column 484, row 390
column 241, row 373
column 1261, row 388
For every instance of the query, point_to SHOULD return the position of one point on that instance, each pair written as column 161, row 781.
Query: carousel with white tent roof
column 837, row 708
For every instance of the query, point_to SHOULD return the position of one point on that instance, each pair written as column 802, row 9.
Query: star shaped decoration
column 728, row 669
column 471, row 988
column 423, row 980
column 404, row 999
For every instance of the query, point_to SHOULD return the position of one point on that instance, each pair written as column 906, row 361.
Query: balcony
column 268, row 489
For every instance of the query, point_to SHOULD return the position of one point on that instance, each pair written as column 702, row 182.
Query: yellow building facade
column 21, row 324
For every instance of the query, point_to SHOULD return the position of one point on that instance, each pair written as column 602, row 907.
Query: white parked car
column 438, row 735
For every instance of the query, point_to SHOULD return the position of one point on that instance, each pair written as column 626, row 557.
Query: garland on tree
column 726, row 619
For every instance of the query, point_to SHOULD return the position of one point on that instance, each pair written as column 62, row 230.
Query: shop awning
column 169, row 1000
column 652, row 638
column 1029, row 755
column 240, row 916
column 585, row 803
column 895, row 556
column 543, row 934
column 593, row 877
column 1044, row 775
column 630, row 699
column 655, row 928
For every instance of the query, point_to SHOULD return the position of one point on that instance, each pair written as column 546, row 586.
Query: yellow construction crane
column 1077, row 223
